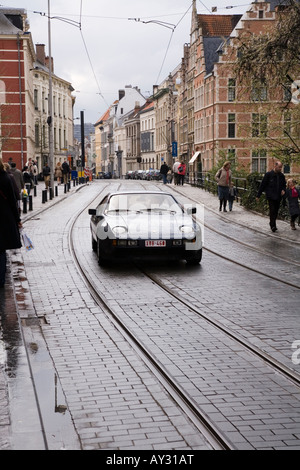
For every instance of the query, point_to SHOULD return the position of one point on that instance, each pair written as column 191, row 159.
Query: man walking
column 46, row 175
column 274, row 186
column 164, row 171
column 65, row 171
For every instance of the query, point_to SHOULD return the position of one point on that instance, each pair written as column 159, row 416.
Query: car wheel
column 94, row 245
column 194, row 257
column 101, row 260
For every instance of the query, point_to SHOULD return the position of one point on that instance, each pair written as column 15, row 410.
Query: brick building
column 17, row 57
column 239, row 122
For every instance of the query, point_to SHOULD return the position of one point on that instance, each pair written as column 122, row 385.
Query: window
column 231, row 125
column 231, row 89
column 260, row 13
column 259, row 161
column 37, row 135
column 259, row 91
column 259, row 125
column 36, row 104
column 287, row 92
column 231, row 155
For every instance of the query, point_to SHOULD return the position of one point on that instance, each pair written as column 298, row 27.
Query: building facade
column 63, row 101
column 17, row 56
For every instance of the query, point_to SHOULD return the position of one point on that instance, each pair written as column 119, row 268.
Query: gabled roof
column 104, row 117
column 218, row 25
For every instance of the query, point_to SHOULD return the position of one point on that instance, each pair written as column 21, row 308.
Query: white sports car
column 144, row 224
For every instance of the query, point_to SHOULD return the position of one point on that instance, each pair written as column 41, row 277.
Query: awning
column 196, row 154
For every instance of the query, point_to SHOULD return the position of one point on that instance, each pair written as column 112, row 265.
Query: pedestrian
column 164, row 171
column 274, row 186
column 181, row 173
column 10, row 230
column 65, row 171
column 7, row 168
column 18, row 177
column 175, row 171
column 35, row 172
column 292, row 195
column 223, row 177
column 46, row 175
column 58, row 172
column 27, row 179
column 232, row 195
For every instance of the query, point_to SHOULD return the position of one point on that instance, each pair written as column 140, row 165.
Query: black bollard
column 44, row 196
column 56, row 190
column 34, row 190
column 30, row 203
column 24, row 205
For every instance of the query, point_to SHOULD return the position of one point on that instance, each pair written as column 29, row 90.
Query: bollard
column 30, row 203
column 34, row 190
column 65, row 188
column 56, row 190
column 74, row 183
column 69, row 185
column 50, row 194
column 44, row 196
column 24, row 205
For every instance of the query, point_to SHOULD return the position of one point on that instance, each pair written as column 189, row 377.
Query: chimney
column 40, row 53
column 121, row 94
column 47, row 62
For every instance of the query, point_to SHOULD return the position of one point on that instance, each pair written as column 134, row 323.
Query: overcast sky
column 109, row 50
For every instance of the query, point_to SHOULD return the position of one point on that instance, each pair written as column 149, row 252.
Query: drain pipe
column 20, row 97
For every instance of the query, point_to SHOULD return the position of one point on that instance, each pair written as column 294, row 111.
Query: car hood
column 150, row 225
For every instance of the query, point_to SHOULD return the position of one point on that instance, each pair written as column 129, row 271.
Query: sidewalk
column 239, row 215
column 10, row 323
column 15, row 393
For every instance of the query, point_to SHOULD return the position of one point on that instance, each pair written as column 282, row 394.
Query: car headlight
column 119, row 230
column 187, row 231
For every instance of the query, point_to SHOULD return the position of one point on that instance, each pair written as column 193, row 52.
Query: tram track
column 206, row 427
column 217, row 439
column 246, row 245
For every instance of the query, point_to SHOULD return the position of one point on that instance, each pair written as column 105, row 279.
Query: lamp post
column 50, row 117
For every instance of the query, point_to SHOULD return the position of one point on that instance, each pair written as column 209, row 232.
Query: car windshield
column 143, row 202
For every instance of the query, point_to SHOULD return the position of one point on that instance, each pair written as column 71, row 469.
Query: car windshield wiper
column 123, row 210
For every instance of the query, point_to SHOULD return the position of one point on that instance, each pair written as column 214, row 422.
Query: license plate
column 155, row 243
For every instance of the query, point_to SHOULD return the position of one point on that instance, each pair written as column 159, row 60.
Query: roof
column 217, row 25
column 104, row 117
column 211, row 46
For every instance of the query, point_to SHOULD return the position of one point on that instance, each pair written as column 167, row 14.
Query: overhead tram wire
column 79, row 26
column 168, row 47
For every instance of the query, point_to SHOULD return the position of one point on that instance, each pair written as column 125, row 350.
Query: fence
column 207, row 181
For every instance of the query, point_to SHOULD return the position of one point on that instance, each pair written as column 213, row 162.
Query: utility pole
column 82, row 142
column 50, row 101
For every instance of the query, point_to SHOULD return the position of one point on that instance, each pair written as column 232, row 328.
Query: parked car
column 144, row 224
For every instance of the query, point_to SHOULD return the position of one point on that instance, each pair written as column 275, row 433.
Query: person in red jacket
column 181, row 172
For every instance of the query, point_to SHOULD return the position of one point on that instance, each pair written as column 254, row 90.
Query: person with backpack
column 181, row 173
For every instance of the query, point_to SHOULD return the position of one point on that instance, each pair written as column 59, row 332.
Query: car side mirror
column 92, row 211
column 191, row 210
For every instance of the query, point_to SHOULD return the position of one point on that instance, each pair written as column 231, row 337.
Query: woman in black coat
column 10, row 220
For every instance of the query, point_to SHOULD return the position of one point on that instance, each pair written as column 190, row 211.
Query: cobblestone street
column 94, row 390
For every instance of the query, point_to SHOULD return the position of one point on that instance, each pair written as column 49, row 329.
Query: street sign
column 174, row 149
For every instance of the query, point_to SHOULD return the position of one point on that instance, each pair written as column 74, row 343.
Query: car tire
column 101, row 261
column 194, row 258
column 94, row 245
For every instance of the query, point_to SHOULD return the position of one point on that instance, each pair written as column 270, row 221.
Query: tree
column 273, row 58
